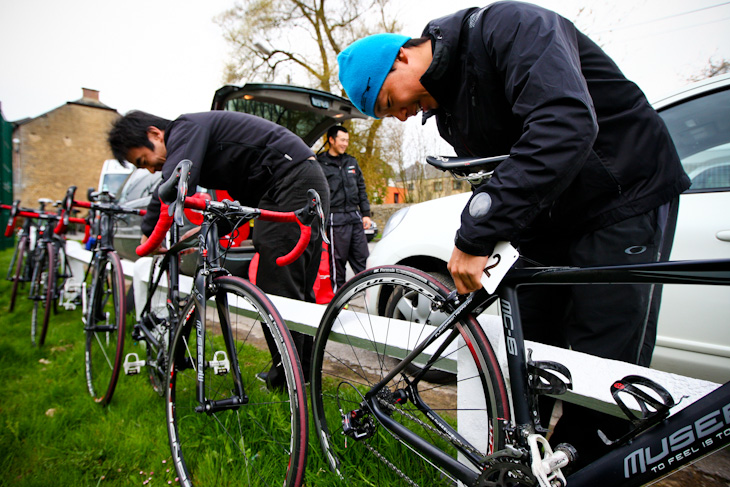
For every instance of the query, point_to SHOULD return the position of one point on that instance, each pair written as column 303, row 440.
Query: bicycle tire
column 348, row 360
column 104, row 328
column 158, row 322
column 43, row 281
column 263, row 442
column 61, row 274
column 13, row 260
column 21, row 251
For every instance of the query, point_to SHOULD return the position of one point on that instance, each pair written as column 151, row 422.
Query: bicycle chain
column 444, row 436
column 390, row 464
column 426, row 426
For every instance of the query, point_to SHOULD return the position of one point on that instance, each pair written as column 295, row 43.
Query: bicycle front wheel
column 20, row 261
column 409, row 431
column 42, row 288
column 104, row 328
column 226, row 439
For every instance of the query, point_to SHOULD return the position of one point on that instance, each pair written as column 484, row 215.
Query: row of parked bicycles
column 379, row 415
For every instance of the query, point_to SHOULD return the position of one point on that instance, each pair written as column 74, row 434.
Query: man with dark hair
column 592, row 177
column 261, row 164
column 349, row 207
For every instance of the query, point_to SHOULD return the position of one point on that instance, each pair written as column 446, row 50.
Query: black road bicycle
column 226, row 425
column 47, row 262
column 103, row 293
column 370, row 401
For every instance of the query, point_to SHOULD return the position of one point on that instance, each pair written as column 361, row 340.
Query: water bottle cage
column 654, row 408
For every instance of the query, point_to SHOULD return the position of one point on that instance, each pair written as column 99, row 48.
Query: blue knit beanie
column 365, row 64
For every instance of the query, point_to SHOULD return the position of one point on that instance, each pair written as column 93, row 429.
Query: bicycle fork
column 223, row 362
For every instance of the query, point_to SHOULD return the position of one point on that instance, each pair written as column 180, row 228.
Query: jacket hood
column 445, row 34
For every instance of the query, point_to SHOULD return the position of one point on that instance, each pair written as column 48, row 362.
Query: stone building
column 66, row 146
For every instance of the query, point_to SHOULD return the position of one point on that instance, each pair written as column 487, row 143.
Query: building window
column 456, row 185
column 438, row 186
column 396, row 198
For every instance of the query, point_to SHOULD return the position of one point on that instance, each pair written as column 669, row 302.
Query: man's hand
column 366, row 222
column 466, row 270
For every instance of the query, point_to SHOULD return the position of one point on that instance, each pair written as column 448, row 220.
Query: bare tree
column 281, row 40
column 713, row 68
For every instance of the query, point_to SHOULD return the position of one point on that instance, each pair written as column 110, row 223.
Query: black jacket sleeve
column 362, row 193
column 536, row 53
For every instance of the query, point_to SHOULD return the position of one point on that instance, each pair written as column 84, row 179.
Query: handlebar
column 12, row 218
column 171, row 210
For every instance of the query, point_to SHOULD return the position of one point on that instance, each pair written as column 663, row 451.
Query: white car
column 693, row 332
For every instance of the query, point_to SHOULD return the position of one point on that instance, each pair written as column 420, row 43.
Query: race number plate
column 501, row 260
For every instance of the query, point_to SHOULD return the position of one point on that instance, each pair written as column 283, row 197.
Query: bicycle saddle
column 466, row 165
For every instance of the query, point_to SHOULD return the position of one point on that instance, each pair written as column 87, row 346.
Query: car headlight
column 394, row 221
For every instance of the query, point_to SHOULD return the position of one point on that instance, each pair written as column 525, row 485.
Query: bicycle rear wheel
column 19, row 262
column 62, row 273
column 104, row 328
column 42, row 288
column 263, row 441
column 355, row 348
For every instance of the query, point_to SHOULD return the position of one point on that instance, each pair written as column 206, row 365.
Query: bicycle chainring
column 506, row 474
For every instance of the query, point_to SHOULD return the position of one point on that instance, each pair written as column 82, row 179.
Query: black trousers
column 347, row 244
column 616, row 321
column 273, row 239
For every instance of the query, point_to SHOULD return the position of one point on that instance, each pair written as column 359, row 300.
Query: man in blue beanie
column 592, row 173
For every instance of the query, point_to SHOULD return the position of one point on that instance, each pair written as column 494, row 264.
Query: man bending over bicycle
column 593, row 177
column 260, row 164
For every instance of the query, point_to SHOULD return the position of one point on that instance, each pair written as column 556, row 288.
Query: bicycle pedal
column 654, row 408
column 220, row 363
column 549, row 377
column 132, row 364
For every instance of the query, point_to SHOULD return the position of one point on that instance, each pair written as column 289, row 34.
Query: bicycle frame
column 700, row 428
column 202, row 285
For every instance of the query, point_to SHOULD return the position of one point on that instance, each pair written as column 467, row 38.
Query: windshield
column 299, row 122
column 700, row 129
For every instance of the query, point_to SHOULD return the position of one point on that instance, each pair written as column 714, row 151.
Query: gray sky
column 167, row 56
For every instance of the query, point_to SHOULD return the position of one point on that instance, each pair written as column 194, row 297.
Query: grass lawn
column 51, row 432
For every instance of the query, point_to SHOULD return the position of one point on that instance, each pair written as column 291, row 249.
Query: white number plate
column 501, row 260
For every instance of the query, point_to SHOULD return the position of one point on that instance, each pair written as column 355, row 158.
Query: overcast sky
column 167, row 56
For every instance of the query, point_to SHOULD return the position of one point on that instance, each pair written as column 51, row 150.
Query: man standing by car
column 259, row 163
column 592, row 177
column 349, row 207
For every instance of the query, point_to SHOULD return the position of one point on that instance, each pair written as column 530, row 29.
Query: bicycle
column 370, row 400
column 21, row 265
column 49, row 265
column 226, row 424
column 103, row 299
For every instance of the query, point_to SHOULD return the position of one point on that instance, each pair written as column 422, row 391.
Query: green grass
column 53, row 434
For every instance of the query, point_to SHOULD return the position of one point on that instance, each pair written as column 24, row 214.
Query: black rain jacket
column 586, row 148
column 347, row 185
column 240, row 153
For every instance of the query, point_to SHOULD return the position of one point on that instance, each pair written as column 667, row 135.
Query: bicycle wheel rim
column 104, row 328
column 21, row 257
column 348, row 360
column 48, row 291
column 37, row 293
column 263, row 442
